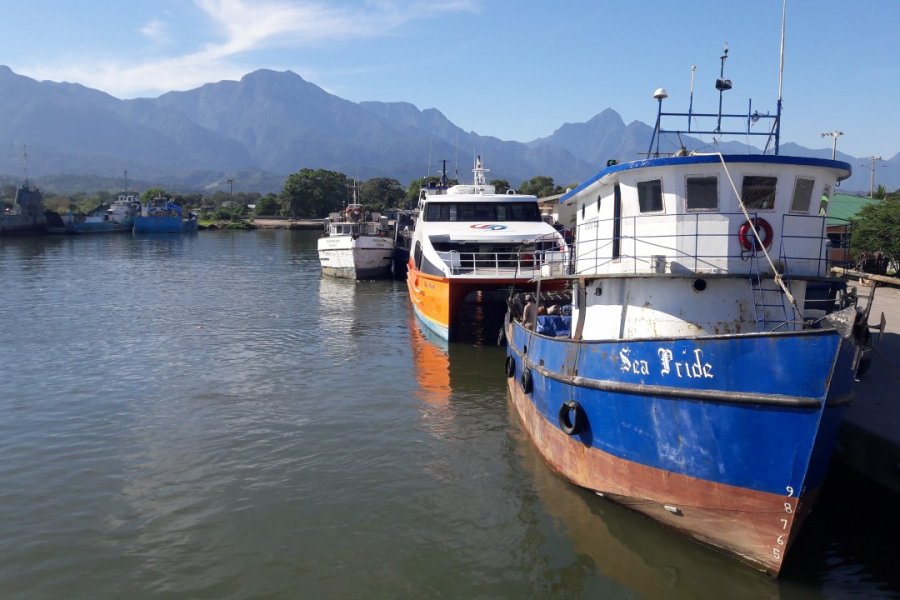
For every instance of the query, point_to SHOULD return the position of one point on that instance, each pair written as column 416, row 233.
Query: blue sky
column 514, row 69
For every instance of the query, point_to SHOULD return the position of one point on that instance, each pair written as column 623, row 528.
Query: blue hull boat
column 162, row 215
column 162, row 224
column 698, row 369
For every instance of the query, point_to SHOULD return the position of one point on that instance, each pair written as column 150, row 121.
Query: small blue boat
column 161, row 215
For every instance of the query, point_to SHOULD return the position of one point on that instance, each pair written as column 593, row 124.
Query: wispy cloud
column 156, row 31
column 238, row 28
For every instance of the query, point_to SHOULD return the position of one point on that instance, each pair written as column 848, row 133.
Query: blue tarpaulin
column 555, row 325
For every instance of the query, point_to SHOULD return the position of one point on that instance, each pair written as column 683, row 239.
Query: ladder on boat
column 769, row 301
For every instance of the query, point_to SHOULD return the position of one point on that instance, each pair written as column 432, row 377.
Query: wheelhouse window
column 702, row 193
column 482, row 211
column 650, row 195
column 802, row 197
column 758, row 192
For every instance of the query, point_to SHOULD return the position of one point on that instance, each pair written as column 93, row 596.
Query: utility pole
column 834, row 136
column 874, row 160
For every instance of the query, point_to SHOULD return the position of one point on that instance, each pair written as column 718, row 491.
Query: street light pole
column 834, row 136
column 874, row 160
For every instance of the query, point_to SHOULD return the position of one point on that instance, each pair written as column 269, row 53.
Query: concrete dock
column 275, row 223
column 869, row 441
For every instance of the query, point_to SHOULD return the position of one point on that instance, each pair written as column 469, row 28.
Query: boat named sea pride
column 704, row 370
column 470, row 239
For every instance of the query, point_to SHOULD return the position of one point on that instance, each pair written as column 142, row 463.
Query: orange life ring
column 749, row 241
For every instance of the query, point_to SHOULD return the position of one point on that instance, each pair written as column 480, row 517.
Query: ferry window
column 650, row 195
column 758, row 192
column 702, row 193
column 482, row 211
column 802, row 195
column 582, row 211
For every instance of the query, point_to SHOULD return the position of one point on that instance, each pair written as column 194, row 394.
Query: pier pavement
column 275, row 223
column 869, row 441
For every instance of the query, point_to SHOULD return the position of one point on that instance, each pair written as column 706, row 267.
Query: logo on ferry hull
column 488, row 226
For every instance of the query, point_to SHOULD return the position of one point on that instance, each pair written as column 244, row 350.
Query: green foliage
column 415, row 186
column 233, row 212
column 194, row 200
column 412, row 194
column 312, row 194
column 152, row 193
column 877, row 229
column 501, row 186
column 268, row 205
column 380, row 193
column 540, row 186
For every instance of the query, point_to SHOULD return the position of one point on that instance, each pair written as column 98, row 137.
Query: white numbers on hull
column 778, row 549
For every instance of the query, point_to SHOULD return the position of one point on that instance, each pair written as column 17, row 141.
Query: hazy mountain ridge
column 270, row 124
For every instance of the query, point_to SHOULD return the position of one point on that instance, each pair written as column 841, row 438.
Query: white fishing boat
column 356, row 244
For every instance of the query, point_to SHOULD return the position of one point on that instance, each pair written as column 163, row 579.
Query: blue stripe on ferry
column 440, row 330
column 760, row 447
column 713, row 158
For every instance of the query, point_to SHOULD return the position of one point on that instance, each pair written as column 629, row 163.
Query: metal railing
column 492, row 264
column 698, row 243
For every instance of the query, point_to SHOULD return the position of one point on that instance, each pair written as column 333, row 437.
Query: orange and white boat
column 470, row 241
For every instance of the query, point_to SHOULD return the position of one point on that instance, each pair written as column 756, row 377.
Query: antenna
column 691, row 105
column 780, row 77
column 25, row 162
column 722, row 84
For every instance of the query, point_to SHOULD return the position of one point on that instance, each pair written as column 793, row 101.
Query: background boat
column 161, row 215
column 356, row 244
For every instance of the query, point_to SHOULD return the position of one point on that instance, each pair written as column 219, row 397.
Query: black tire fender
column 571, row 417
column 527, row 381
column 510, row 366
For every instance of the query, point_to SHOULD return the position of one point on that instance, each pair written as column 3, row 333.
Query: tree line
column 307, row 194
column 314, row 193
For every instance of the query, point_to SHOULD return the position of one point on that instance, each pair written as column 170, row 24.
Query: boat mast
column 25, row 162
column 722, row 84
column 479, row 172
column 780, row 77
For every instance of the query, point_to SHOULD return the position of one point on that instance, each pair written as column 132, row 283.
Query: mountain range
column 270, row 124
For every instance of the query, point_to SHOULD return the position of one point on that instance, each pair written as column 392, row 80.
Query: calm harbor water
column 205, row 416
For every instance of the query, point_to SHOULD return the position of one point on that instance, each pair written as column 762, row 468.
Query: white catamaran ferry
column 468, row 239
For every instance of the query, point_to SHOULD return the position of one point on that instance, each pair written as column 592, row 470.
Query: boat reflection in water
column 432, row 358
column 630, row 549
